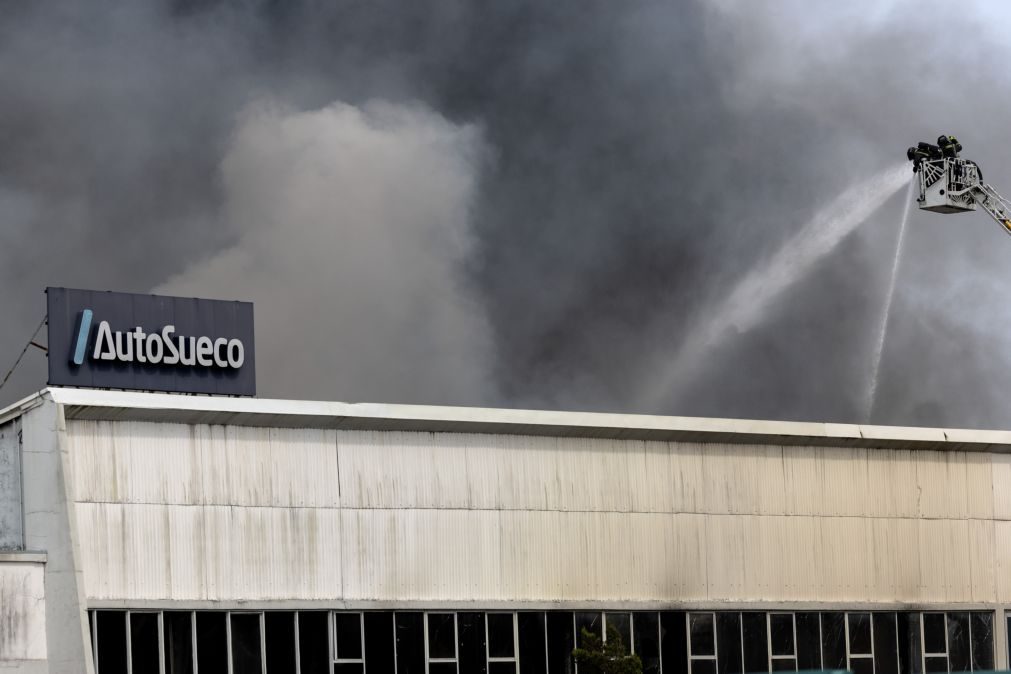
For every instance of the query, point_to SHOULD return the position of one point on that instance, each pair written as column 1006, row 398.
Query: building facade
column 179, row 534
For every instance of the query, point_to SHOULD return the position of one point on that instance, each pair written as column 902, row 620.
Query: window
column 246, row 642
column 702, row 643
column 533, row 642
column 502, row 643
column 178, row 637
column 860, row 642
column 212, row 641
column 934, row 637
column 561, row 640
column 313, row 629
column 622, row 622
column 646, row 640
column 782, row 642
column 144, row 629
column 349, row 643
column 279, row 641
column 440, row 643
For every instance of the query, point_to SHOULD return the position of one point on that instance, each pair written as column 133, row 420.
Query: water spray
column 748, row 302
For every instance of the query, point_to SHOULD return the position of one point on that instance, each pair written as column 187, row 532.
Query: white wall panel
column 941, row 479
column 148, row 552
column 142, row 462
column 22, row 613
column 169, row 511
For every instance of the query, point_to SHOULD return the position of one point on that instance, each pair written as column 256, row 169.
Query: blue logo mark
column 82, row 337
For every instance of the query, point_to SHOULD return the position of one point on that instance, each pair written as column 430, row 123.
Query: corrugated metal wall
column 170, row 511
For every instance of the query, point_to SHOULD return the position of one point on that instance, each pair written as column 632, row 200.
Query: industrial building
column 149, row 532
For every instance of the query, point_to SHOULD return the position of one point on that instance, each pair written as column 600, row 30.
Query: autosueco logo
column 156, row 348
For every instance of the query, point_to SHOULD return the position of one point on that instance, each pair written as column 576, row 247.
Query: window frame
column 515, row 659
column 947, row 647
column 263, row 640
column 768, row 637
column 860, row 656
column 456, row 642
column 161, row 638
column 334, row 655
column 631, row 628
column 688, row 634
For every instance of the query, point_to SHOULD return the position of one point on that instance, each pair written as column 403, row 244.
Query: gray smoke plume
column 548, row 195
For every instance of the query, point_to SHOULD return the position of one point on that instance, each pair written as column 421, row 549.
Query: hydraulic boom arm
column 993, row 203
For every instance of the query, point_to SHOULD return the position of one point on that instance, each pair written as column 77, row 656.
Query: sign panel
column 150, row 342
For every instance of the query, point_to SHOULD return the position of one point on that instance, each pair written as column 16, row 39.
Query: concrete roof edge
column 18, row 408
column 527, row 422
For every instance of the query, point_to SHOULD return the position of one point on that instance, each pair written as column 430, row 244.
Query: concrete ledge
column 88, row 404
column 19, row 557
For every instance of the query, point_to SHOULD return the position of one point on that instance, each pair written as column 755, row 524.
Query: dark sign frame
column 227, row 327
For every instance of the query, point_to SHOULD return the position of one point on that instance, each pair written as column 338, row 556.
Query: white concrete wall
column 22, row 613
column 11, row 537
column 50, row 528
column 223, row 514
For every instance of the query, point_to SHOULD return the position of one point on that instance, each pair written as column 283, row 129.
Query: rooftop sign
column 150, row 342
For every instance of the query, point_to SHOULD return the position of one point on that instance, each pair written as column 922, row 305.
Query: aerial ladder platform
column 951, row 184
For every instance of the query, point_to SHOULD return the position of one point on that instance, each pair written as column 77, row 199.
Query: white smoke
column 353, row 222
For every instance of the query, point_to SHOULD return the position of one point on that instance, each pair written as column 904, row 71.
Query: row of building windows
column 536, row 642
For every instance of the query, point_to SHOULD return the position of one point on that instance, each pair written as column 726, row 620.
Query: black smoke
column 637, row 159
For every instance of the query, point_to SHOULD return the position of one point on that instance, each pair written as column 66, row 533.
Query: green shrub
column 610, row 657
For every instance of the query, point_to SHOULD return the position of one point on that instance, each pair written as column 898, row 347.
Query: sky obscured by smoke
column 522, row 203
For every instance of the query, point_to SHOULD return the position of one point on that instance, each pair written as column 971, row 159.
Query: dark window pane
column 245, row 644
column 673, row 643
column 212, row 644
column 959, row 657
column 808, row 641
column 144, row 641
column 561, row 641
column 833, row 640
column 784, row 665
column 933, row 633
column 936, row 664
column 860, row 633
column 909, row 643
column 703, row 667
column 379, row 641
column 862, row 665
column 111, row 641
column 279, row 638
column 410, row 643
column 622, row 622
column 442, row 668
column 347, row 629
column 313, row 642
column 728, row 642
column 781, row 633
column 500, row 635
column 756, row 646
column 178, row 642
column 982, row 640
column 471, row 643
column 592, row 623
column 345, row 668
column 647, row 640
column 886, row 656
column 502, row 668
column 533, row 650
column 441, row 635
column 703, row 633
